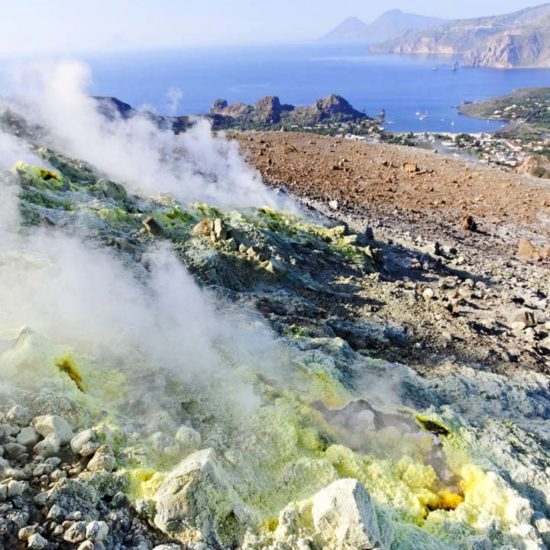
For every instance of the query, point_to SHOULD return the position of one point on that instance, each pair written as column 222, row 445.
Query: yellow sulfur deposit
column 68, row 366
column 144, row 483
column 449, row 500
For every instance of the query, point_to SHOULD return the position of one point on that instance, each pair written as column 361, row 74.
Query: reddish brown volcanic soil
column 414, row 184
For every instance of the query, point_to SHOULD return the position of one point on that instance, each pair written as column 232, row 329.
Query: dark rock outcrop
column 269, row 113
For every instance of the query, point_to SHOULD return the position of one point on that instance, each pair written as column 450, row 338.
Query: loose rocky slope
column 300, row 423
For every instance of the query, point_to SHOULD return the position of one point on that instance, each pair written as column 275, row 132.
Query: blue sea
column 418, row 93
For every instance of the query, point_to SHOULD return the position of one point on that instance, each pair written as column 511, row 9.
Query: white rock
column 16, row 488
column 80, row 439
column 344, row 515
column 428, row 294
column 56, row 512
column 37, row 542
column 27, row 437
column 96, row 531
column 76, row 532
column 53, row 424
column 25, row 532
column 88, row 449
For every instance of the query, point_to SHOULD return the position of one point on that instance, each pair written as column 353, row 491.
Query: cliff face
column 520, row 39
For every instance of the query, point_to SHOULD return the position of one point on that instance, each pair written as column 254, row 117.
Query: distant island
column 519, row 39
column 390, row 25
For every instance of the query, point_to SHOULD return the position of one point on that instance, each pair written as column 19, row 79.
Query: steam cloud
column 194, row 166
column 68, row 290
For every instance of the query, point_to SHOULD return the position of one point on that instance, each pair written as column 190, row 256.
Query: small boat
column 435, row 69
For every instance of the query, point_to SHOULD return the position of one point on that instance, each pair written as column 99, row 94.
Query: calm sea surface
column 418, row 93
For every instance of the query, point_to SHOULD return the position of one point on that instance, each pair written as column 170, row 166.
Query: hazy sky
column 70, row 26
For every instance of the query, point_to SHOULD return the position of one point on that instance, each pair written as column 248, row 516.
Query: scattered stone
column 527, row 251
column 26, row 532
column 469, row 224
column 80, row 439
column 56, row 512
column 111, row 189
column 103, row 459
column 48, row 447
column 19, row 415
column 189, row 487
column 152, row 226
column 523, row 320
column 220, row 233
column 333, row 205
column 53, row 424
column 16, row 488
column 37, row 542
column 76, row 532
column 88, row 449
column 428, row 294
column 27, row 437
column 97, row 531
column 204, row 228
column 188, row 439
column 411, row 167
column 14, row 450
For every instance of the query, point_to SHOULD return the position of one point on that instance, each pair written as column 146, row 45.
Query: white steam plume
column 174, row 97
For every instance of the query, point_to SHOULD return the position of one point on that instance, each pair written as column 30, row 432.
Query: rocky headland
column 518, row 39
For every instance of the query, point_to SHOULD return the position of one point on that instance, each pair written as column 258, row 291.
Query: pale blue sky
column 71, row 26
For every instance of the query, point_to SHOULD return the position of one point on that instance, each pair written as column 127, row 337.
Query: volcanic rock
column 53, row 424
column 468, row 223
column 193, row 496
column 343, row 513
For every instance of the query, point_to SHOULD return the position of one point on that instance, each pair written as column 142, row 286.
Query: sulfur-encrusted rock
column 103, row 459
column 344, row 515
column 193, row 497
column 53, row 424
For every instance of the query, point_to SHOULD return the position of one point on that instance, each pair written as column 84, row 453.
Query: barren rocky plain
column 466, row 247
